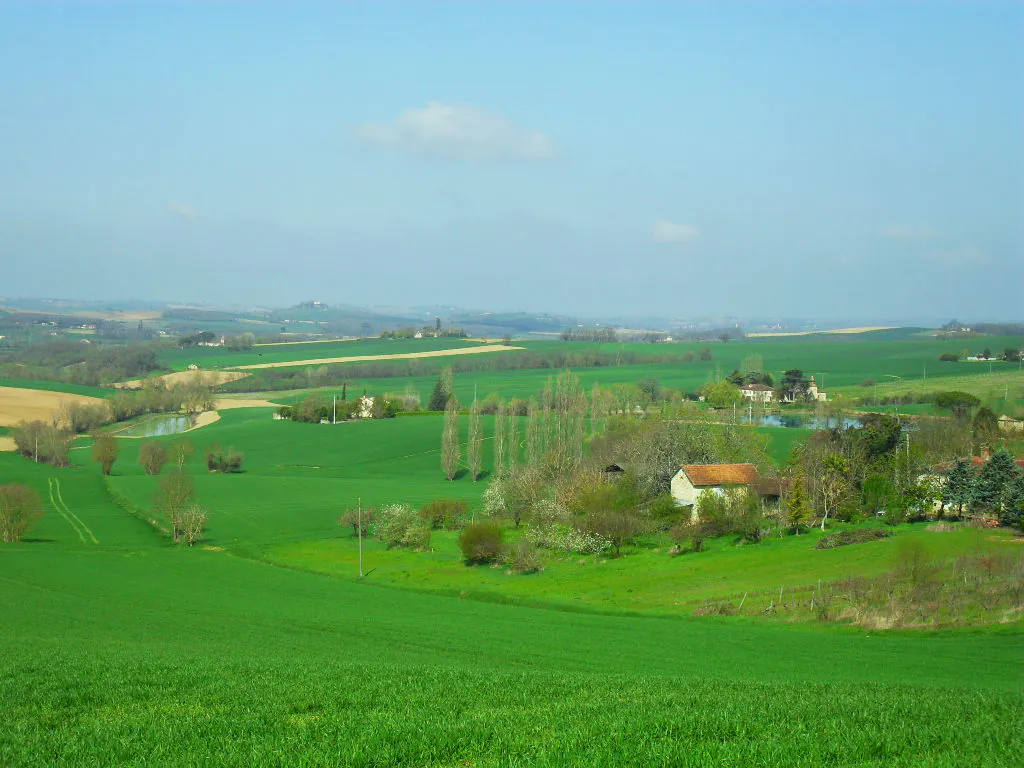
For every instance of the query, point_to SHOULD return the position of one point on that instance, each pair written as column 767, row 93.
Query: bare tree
column 474, row 444
column 174, row 498
column 512, row 435
column 104, row 452
column 535, row 442
column 19, row 507
column 192, row 522
column 450, row 450
column 499, row 440
column 152, row 457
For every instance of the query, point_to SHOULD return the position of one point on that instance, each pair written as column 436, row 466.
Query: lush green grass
column 209, row 357
column 648, row 579
column 118, row 648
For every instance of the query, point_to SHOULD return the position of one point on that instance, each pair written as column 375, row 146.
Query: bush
column 446, row 514
column 19, row 507
column 522, row 556
column 399, row 525
column 481, row 542
column 219, row 461
column 856, row 536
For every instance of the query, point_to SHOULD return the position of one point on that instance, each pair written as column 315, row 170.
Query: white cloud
column 458, row 130
column 668, row 232
column 901, row 232
column 183, row 209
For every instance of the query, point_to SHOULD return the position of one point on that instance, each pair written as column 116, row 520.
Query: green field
column 262, row 646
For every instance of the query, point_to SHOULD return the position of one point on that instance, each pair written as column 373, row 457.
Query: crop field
column 17, row 404
column 210, row 357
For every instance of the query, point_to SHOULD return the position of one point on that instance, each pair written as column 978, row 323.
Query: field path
column 361, row 358
column 65, row 511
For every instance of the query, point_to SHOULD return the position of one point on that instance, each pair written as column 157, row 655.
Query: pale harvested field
column 859, row 329
column 18, row 404
column 7, row 444
column 211, row 378
column 366, row 358
column 227, row 404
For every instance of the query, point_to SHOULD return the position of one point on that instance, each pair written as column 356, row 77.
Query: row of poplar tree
column 555, row 432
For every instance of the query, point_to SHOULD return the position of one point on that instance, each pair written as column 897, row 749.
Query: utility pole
column 359, row 527
column 334, row 411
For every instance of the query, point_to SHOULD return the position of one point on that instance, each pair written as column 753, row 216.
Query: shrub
column 399, row 525
column 219, row 461
column 521, row 556
column 152, row 457
column 481, row 542
column 19, row 506
column 856, row 536
column 446, row 514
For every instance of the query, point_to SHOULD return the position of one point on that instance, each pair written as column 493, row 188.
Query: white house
column 816, row 394
column 694, row 480
column 758, row 393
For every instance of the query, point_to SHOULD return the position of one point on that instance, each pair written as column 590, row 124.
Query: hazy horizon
column 834, row 161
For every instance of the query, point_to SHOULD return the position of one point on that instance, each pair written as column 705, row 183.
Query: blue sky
column 830, row 160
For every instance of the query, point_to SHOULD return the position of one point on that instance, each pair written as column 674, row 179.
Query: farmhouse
column 694, row 480
column 757, row 393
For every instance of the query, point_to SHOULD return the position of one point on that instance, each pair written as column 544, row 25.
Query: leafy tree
column 357, row 518
column 722, row 394
column 985, row 427
column 446, row 514
column 879, row 434
column 616, row 525
column 797, row 504
column 152, row 457
column 793, row 386
column 104, row 452
column 959, row 403
column 19, row 507
column 651, row 387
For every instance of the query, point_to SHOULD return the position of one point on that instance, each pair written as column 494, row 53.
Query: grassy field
column 262, row 647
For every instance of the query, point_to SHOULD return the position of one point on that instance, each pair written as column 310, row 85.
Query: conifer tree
column 798, row 506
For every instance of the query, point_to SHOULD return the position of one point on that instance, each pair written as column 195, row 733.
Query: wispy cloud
column 183, row 209
column 458, row 130
column 669, row 232
column 903, row 232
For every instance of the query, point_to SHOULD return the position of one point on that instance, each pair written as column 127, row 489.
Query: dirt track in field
column 367, row 358
column 17, row 404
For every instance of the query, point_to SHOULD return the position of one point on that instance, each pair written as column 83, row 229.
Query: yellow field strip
column 862, row 329
column 361, row 358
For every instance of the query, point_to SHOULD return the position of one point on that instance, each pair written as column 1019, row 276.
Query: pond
column 801, row 421
column 157, row 427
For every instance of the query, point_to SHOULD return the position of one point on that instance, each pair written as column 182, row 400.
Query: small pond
column 157, row 426
column 802, row 421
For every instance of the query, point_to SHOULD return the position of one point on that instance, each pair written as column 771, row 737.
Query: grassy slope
column 129, row 651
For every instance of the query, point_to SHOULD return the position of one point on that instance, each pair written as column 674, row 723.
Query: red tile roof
column 703, row 475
